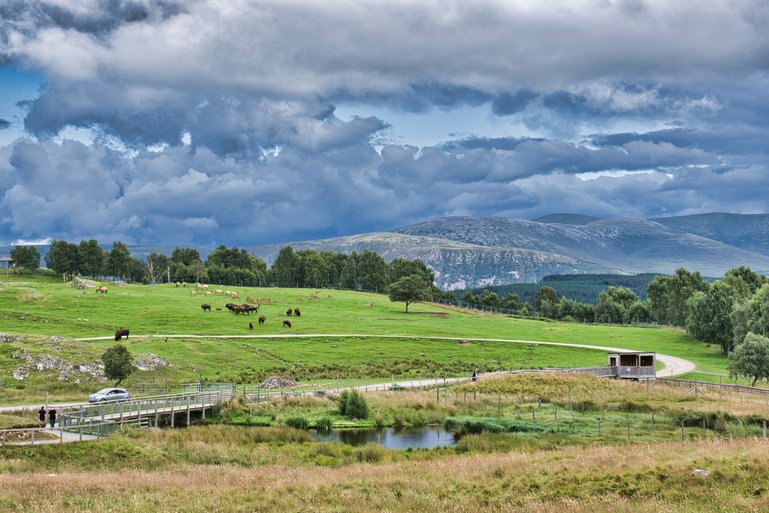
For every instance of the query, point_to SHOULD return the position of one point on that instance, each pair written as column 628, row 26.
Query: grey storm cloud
column 203, row 197
column 215, row 120
column 309, row 48
column 4, row 123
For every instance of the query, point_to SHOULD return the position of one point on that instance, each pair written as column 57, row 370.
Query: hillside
column 628, row 245
column 471, row 252
column 457, row 264
column 746, row 231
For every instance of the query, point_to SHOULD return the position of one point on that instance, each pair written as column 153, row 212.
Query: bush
column 476, row 425
column 370, row 453
column 324, row 424
column 298, row 422
column 352, row 405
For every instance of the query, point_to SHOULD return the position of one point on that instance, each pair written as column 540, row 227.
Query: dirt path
column 674, row 365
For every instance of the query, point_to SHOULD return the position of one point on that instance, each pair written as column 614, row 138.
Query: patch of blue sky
column 436, row 126
column 16, row 85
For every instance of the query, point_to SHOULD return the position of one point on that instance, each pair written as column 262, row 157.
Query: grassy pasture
column 42, row 306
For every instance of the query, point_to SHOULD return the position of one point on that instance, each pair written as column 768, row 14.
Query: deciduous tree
column 62, row 258
column 751, row 358
column 409, row 289
column 25, row 257
column 90, row 258
column 117, row 363
column 709, row 317
column 119, row 260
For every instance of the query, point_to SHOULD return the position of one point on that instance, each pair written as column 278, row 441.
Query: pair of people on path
column 51, row 416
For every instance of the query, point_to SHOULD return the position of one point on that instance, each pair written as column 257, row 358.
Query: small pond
column 390, row 438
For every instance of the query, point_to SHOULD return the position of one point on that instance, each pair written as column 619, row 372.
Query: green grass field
column 43, row 307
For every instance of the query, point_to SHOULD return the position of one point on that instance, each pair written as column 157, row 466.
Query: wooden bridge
column 103, row 418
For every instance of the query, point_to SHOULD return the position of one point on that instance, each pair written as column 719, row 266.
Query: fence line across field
column 98, row 420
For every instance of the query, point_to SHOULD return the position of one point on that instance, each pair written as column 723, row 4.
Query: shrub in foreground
column 352, row 405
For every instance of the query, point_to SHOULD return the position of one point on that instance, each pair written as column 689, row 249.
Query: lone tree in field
column 117, row 363
column 751, row 358
column 410, row 288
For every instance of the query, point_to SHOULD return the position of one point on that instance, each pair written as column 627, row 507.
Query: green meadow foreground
column 52, row 315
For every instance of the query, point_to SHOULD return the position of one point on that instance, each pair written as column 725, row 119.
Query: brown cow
column 206, row 307
column 297, row 312
column 120, row 334
column 262, row 319
column 101, row 290
column 287, row 323
column 289, row 312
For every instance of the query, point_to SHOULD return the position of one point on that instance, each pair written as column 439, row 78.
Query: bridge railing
column 124, row 411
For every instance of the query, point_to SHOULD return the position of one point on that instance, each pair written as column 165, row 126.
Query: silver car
column 109, row 394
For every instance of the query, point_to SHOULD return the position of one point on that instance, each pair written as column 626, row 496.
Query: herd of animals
column 244, row 308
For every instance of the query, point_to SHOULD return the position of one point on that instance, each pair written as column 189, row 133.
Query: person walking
column 41, row 413
column 52, row 417
column 475, row 375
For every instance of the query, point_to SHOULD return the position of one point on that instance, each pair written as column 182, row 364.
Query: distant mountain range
column 466, row 252
column 473, row 252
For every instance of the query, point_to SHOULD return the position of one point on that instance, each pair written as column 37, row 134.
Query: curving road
column 673, row 365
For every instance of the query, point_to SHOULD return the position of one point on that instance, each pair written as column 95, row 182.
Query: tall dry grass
column 630, row 478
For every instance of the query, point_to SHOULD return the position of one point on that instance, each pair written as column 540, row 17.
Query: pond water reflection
column 390, row 438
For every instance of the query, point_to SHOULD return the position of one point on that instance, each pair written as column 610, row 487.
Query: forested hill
column 583, row 288
column 478, row 252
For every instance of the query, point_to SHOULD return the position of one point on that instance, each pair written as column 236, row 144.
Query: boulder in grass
column 279, row 382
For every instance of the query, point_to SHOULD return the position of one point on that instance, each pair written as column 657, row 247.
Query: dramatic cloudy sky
column 241, row 122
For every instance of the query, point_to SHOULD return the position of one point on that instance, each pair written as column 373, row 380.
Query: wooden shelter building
column 633, row 365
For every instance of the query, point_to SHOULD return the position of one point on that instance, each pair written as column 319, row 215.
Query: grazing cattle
column 249, row 299
column 206, row 307
column 193, row 293
column 289, row 312
column 262, row 319
column 287, row 323
column 218, row 308
column 297, row 312
column 200, row 286
column 120, row 334
column 236, row 295
column 101, row 290
column 250, row 325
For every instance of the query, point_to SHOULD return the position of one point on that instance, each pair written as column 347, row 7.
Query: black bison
column 120, row 334
column 287, row 323
column 206, row 308
column 289, row 312
column 297, row 312
column 262, row 319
